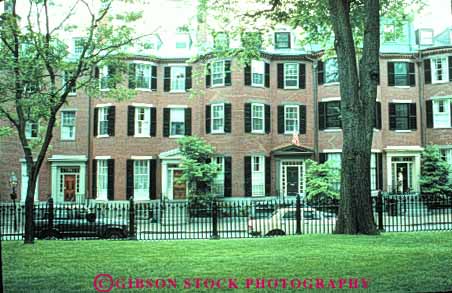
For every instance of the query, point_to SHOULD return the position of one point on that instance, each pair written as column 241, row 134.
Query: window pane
column 218, row 73
column 257, row 117
column 401, row 77
column 217, row 118
column 331, row 71
column 178, row 78
column 258, row 70
column 291, row 75
column 177, row 121
column 102, row 179
column 333, row 114
column 143, row 76
column 291, row 118
column 103, row 121
column 282, row 40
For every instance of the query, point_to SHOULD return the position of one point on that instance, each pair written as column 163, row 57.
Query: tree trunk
column 358, row 95
column 29, row 207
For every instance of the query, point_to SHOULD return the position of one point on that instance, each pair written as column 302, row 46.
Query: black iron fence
column 221, row 218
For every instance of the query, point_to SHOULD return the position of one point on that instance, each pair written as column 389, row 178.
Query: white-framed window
column 78, row 46
column 218, row 182
column 426, row 37
column 104, row 76
column 291, row 119
column 291, row 75
column 31, row 129
column 401, row 74
column 102, row 179
column 218, row 73
column 447, row 155
column 440, row 70
column 335, row 163
column 441, row 113
column 177, row 78
column 143, row 76
column 257, row 73
column 258, row 175
column 141, row 179
column 68, row 125
column 257, row 118
column 217, row 118
column 282, row 40
column 373, row 171
column 142, row 121
column 177, row 122
column 103, row 121
column 73, row 89
column 331, row 71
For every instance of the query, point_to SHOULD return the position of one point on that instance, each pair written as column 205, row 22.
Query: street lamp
column 13, row 184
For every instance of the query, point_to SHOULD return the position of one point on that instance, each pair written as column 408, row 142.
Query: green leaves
column 434, row 178
column 320, row 181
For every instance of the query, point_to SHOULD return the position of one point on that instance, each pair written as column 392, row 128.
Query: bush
column 320, row 180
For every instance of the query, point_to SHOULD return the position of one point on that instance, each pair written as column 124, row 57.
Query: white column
column 417, row 172
column 164, row 178
column 55, row 183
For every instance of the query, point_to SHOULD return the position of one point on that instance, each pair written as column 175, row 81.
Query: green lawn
column 391, row 262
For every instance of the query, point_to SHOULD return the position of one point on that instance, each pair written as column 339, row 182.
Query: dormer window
column 425, row 37
column 251, row 40
column 282, row 40
column 78, row 46
column 182, row 41
column 221, row 40
column 389, row 33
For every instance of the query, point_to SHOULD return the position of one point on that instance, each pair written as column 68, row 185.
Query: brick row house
column 105, row 150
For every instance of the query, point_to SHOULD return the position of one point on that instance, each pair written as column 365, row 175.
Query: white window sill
column 218, row 85
column 142, row 136
column 72, row 94
column 332, row 130
column 257, row 131
column 402, row 86
column 331, row 83
column 68, row 139
column 176, row 136
column 291, row 88
column 177, row 91
column 258, row 85
column 403, row 131
column 218, row 132
column 103, row 136
column 104, row 90
column 440, row 127
column 376, row 130
column 143, row 90
column 290, row 132
column 440, row 81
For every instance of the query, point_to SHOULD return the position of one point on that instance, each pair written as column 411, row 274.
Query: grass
column 392, row 262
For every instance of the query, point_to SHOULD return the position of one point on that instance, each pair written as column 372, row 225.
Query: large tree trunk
column 358, row 95
column 29, row 207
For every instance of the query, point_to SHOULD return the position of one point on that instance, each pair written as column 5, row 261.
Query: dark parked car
column 77, row 222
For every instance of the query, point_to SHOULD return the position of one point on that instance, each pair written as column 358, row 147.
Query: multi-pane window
column 333, row 114
column 282, row 40
column 218, row 73
column 334, row 160
column 142, row 121
column 31, row 129
column 68, row 125
column 217, row 118
column 143, row 76
column 257, row 117
column 66, row 78
column 103, row 121
column 258, row 175
column 105, row 78
column 331, row 71
column 401, row 74
column 439, row 67
column 373, row 172
column 441, row 113
column 177, row 78
column 291, row 75
column 258, row 71
column 102, row 179
column 177, row 122
column 402, row 116
column 218, row 183
column 78, row 46
column 291, row 122
column 141, row 178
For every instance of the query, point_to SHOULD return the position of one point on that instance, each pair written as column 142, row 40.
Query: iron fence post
column 215, row 220
column 298, row 215
column 51, row 214
column 132, row 234
column 380, row 210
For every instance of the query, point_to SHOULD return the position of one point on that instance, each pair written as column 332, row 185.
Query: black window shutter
column 111, row 120
column 188, row 71
column 247, row 72
column 96, row 121
column 322, row 158
column 188, row 121
column 129, row 179
column 94, row 181
column 152, row 179
column 247, row 117
column 167, row 79
column 96, row 72
column 111, row 76
column 227, row 72
column 392, row 116
column 132, row 83
column 412, row 74
column 429, row 110
column 111, row 179
column 302, row 76
column 267, row 74
column 153, row 126
column 268, row 120
column 379, row 159
column 280, row 75
column 450, row 66
column 248, row 183
column 166, row 121
column 227, row 118
column 281, row 119
column 320, row 75
column 208, row 120
column 208, row 75
column 413, row 120
column 130, row 120
column 377, row 122
column 322, row 115
column 154, row 78
column 391, row 78
column 427, row 72
column 268, row 176
column 227, row 176
column 302, row 125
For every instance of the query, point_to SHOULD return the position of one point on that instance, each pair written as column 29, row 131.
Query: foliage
column 434, row 178
column 198, row 169
column 319, row 181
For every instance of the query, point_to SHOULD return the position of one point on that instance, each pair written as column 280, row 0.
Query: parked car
column 77, row 222
column 283, row 221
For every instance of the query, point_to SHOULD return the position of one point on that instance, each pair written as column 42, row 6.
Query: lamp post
column 13, row 184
